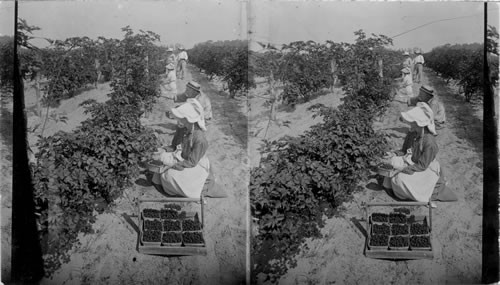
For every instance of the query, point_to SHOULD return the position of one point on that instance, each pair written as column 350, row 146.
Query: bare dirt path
column 110, row 256
column 338, row 258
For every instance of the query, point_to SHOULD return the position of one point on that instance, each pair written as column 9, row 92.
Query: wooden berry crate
column 192, row 244
column 177, row 244
column 425, row 214
column 171, row 249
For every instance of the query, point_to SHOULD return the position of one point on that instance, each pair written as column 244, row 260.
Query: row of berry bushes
column 304, row 68
column 225, row 59
column 74, row 63
column 462, row 63
column 7, row 59
column 74, row 171
column 300, row 179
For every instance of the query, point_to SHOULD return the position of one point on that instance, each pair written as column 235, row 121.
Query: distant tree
column 492, row 40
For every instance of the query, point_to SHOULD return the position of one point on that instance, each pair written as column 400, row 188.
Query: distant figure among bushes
column 405, row 90
column 182, row 61
column 408, row 62
column 419, row 66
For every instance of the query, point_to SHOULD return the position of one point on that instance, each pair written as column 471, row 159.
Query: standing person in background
column 405, row 90
column 419, row 66
column 98, row 70
column 334, row 68
column 171, row 82
column 182, row 61
column 170, row 56
column 168, row 92
column 408, row 62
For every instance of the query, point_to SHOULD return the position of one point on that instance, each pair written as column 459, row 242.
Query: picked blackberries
column 153, row 225
column 151, row 236
column 379, row 218
column 192, row 237
column 420, row 241
column 151, row 213
column 379, row 240
column 398, row 241
column 396, row 218
column 382, row 229
column 419, row 229
column 399, row 229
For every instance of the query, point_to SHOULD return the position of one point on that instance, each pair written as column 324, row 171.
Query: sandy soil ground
column 110, row 255
column 338, row 257
column 261, row 128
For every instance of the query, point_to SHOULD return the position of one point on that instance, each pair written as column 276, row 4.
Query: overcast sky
column 186, row 22
column 283, row 22
column 189, row 21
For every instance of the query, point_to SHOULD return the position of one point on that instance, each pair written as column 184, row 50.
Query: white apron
column 188, row 182
column 418, row 186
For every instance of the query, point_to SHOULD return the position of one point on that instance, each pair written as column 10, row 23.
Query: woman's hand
column 389, row 154
column 163, row 169
column 407, row 170
column 177, row 167
column 399, row 153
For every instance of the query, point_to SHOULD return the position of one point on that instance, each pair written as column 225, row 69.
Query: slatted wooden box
column 192, row 207
column 419, row 212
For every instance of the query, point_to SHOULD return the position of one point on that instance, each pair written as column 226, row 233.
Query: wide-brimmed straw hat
column 406, row 70
column 170, row 66
column 170, row 49
column 427, row 89
column 194, row 86
column 422, row 115
column 192, row 111
column 406, row 53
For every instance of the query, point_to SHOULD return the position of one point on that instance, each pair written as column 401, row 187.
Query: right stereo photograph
column 365, row 138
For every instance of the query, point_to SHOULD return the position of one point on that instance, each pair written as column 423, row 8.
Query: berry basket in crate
column 163, row 224
column 399, row 230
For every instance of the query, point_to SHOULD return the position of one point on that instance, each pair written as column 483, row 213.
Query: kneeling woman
column 188, row 167
column 419, row 169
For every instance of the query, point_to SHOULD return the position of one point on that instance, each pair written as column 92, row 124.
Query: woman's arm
column 408, row 142
column 200, row 146
column 430, row 150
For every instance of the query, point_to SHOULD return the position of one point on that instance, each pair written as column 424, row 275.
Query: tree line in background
column 227, row 60
column 302, row 69
column 463, row 63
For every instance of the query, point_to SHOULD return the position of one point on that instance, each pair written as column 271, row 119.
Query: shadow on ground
column 232, row 122
column 464, row 123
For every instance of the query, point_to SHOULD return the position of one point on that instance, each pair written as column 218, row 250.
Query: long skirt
column 164, row 104
column 403, row 94
column 188, row 182
column 417, row 186
column 419, row 68
column 181, row 68
column 207, row 105
column 169, row 90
